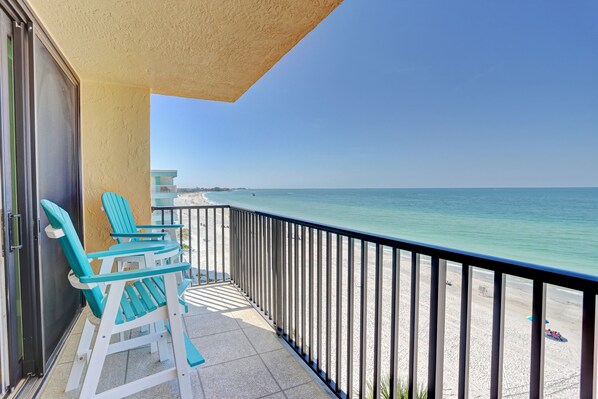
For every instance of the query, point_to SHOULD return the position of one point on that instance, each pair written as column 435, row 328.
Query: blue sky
column 406, row 94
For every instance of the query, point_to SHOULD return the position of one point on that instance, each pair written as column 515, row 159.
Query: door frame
column 15, row 368
column 26, row 28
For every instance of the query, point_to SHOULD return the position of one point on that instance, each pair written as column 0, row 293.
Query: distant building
column 163, row 191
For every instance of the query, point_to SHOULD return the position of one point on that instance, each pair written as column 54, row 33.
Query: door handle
column 14, row 219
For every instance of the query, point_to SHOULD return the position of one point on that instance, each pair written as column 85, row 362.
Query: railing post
column 311, row 296
column 413, row 325
column 537, row 352
column 231, row 244
column 339, row 309
column 465, row 331
column 394, row 337
column 350, row 316
column 268, row 254
column 378, row 321
column 223, row 242
column 244, row 254
column 328, row 334
column 437, row 311
column 588, row 346
column 276, row 274
column 363, row 323
column 319, row 298
column 498, row 321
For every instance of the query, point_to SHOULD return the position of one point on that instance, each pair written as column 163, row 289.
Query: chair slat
column 145, row 296
column 138, row 307
column 159, row 281
column 155, row 291
column 184, row 285
column 127, row 309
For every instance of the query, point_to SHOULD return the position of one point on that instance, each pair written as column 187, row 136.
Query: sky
column 405, row 94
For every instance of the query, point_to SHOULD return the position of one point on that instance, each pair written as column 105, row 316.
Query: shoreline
column 199, row 198
column 528, row 228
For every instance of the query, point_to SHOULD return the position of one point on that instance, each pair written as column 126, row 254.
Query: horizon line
column 397, row 188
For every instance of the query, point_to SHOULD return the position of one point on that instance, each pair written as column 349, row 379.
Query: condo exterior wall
column 115, row 147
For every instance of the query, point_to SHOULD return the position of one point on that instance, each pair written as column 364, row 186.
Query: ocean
column 555, row 227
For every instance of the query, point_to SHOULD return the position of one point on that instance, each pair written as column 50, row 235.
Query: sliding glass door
column 56, row 113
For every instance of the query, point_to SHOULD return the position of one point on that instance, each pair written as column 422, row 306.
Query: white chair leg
column 153, row 345
column 81, row 357
column 175, row 318
column 102, row 341
column 162, row 342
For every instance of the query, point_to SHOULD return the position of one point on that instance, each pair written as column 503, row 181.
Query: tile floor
column 244, row 357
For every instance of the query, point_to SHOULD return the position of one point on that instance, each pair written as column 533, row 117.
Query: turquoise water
column 553, row 227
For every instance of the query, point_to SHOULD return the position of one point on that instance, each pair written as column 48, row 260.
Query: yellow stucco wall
column 115, row 144
column 208, row 49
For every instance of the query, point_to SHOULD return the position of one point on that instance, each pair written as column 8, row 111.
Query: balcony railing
column 164, row 188
column 204, row 239
column 353, row 305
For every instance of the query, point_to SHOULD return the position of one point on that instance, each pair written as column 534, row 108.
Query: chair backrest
column 119, row 214
column 74, row 252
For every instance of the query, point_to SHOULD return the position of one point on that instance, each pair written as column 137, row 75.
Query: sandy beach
column 562, row 359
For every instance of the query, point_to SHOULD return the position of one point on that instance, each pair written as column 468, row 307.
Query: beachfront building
column 163, row 191
column 295, row 309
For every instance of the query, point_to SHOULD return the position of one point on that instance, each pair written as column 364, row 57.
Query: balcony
column 164, row 191
column 369, row 314
column 244, row 357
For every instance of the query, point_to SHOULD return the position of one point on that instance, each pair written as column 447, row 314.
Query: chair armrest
column 139, row 235
column 135, row 274
column 160, row 226
column 126, row 251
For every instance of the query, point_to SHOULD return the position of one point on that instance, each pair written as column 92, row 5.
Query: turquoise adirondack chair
column 119, row 302
column 127, row 233
column 123, row 224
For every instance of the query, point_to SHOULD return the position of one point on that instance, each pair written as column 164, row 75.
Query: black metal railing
column 204, row 239
column 367, row 312
column 316, row 283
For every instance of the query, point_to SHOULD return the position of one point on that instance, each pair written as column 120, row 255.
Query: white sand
column 562, row 359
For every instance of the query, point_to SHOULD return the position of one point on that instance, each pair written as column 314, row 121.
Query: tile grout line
column 312, row 379
column 260, row 354
column 227, row 362
column 212, row 334
column 294, row 355
column 200, row 383
column 264, row 363
column 127, row 366
column 300, row 385
column 271, row 394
